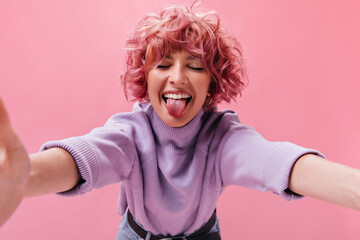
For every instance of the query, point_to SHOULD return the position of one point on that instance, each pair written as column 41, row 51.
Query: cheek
column 203, row 87
column 155, row 81
column 151, row 84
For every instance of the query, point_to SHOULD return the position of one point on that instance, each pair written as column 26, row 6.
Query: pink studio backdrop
column 60, row 63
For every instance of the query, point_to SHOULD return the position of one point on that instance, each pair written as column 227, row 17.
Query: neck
column 180, row 138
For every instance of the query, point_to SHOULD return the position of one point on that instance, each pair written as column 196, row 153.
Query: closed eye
column 197, row 68
column 163, row 66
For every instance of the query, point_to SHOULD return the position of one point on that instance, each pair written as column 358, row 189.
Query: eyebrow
column 192, row 58
column 187, row 58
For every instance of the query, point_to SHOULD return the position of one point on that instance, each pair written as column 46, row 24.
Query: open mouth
column 181, row 96
column 176, row 103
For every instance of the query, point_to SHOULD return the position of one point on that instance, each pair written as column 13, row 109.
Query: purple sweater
column 171, row 178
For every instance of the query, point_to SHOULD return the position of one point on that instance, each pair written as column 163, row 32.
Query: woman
column 175, row 153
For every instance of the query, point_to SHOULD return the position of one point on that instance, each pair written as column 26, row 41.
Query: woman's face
column 177, row 88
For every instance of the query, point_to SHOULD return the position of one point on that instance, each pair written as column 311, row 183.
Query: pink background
column 60, row 63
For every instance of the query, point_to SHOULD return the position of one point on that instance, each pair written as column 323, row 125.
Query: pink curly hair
column 176, row 29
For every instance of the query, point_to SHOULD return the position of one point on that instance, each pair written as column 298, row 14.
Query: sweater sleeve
column 251, row 161
column 104, row 156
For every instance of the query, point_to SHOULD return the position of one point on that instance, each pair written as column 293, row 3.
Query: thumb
column 4, row 117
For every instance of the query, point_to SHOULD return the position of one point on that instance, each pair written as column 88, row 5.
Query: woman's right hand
column 14, row 167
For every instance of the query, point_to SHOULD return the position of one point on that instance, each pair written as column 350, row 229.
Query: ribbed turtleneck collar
column 180, row 138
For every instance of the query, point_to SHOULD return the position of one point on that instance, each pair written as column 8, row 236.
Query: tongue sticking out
column 175, row 107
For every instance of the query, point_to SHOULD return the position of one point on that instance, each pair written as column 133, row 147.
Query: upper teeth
column 176, row 95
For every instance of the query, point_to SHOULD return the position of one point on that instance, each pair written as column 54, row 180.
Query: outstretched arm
column 52, row 171
column 21, row 175
column 322, row 179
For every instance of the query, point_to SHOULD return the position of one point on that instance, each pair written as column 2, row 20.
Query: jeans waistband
column 200, row 234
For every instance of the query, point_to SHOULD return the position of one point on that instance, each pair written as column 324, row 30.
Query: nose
column 178, row 76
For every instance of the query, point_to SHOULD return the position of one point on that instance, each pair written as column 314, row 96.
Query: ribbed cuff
column 277, row 173
column 85, row 160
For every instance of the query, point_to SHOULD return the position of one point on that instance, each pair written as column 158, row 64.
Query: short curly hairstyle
column 178, row 28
